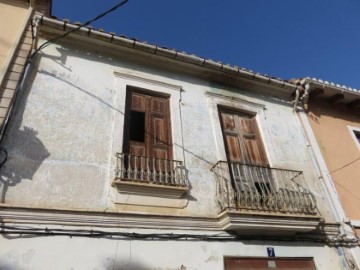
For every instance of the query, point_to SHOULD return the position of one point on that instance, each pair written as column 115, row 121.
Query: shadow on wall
column 24, row 160
column 12, row 263
column 26, row 151
column 110, row 265
column 321, row 107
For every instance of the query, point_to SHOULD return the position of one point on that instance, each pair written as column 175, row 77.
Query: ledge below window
column 149, row 194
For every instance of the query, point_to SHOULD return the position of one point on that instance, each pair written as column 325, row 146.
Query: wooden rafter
column 316, row 92
column 335, row 99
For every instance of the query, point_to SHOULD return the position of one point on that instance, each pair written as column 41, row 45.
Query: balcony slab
column 267, row 223
column 149, row 194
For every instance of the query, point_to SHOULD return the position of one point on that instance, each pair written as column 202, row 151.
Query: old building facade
column 124, row 155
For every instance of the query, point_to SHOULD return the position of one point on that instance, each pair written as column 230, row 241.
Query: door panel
column 138, row 102
column 232, row 263
column 159, row 131
column 158, row 105
column 234, row 152
column 254, row 153
column 137, row 149
column 228, row 122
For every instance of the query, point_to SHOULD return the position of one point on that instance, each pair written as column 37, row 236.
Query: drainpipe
column 296, row 101
column 35, row 29
column 305, row 96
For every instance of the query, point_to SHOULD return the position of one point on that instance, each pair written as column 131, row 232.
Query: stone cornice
column 147, row 81
column 257, row 106
column 109, row 219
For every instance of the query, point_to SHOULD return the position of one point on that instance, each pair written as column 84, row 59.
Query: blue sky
column 281, row 38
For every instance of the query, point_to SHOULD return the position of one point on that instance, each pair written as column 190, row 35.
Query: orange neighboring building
column 16, row 41
column 331, row 119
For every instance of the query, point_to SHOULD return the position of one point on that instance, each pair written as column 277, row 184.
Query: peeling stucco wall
column 65, row 133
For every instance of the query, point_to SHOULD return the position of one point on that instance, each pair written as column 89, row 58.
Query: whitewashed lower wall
column 63, row 252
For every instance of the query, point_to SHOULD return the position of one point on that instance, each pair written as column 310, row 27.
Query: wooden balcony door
column 242, row 139
column 147, row 130
column 243, row 145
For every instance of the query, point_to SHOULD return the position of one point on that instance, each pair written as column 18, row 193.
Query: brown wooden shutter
column 147, row 131
column 252, row 141
column 159, row 139
column 242, row 139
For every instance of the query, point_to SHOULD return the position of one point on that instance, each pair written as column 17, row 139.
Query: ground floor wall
column 65, row 252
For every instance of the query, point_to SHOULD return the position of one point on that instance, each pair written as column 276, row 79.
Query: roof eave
column 207, row 64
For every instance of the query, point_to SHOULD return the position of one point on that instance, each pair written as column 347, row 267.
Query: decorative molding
column 108, row 219
column 227, row 220
column 147, row 81
column 235, row 99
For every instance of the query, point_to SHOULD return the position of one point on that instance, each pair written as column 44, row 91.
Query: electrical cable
column 47, row 43
column 3, row 150
column 11, row 230
column 344, row 166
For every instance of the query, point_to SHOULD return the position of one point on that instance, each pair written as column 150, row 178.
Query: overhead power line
column 344, row 166
column 47, row 43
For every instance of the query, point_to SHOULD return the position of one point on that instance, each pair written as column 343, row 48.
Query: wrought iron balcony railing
column 256, row 188
column 150, row 170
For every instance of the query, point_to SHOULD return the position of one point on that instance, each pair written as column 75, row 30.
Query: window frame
column 246, row 106
column 138, row 193
column 242, row 141
column 353, row 131
column 123, row 81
